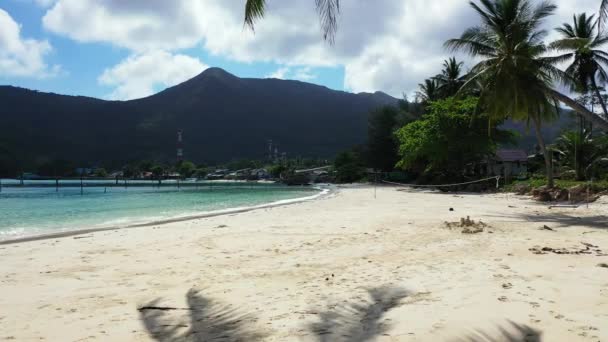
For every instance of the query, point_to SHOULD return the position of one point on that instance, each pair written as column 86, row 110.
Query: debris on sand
column 589, row 249
column 602, row 264
column 469, row 226
column 545, row 227
column 581, row 193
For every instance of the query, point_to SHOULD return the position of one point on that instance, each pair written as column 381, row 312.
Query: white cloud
column 20, row 57
column 302, row 74
column 138, row 25
column 141, row 75
column 389, row 45
column 279, row 73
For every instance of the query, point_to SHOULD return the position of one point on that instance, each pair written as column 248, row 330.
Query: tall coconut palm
column 451, row 78
column 429, row 91
column 517, row 80
column 582, row 46
column 328, row 11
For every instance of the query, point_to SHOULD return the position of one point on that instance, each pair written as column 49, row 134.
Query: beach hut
column 508, row 163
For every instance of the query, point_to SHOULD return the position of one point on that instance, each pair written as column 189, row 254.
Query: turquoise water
column 31, row 211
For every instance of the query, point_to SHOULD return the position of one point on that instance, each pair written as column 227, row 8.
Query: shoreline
column 385, row 267
column 324, row 191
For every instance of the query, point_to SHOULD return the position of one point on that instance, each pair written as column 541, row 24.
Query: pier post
column 178, row 183
column 0, row 184
column 56, row 184
column 125, row 183
column 81, row 187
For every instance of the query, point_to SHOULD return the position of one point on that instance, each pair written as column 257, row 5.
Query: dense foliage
column 382, row 144
column 449, row 141
column 349, row 167
column 583, row 154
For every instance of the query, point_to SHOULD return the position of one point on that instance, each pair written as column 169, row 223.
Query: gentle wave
column 253, row 199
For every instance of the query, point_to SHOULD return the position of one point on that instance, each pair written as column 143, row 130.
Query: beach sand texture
column 348, row 267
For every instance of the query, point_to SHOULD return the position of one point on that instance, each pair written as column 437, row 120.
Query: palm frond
column 603, row 14
column 254, row 10
column 328, row 12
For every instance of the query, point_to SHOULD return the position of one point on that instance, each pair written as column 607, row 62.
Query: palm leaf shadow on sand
column 358, row 322
column 560, row 220
column 512, row 332
column 203, row 320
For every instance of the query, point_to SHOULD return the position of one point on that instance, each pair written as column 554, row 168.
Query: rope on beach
column 445, row 185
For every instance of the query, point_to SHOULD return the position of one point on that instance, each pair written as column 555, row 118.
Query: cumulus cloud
column 389, row 45
column 141, row 75
column 21, row 57
column 279, row 73
column 302, row 74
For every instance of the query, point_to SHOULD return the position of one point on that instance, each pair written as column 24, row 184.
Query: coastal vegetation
column 382, row 144
column 516, row 77
column 582, row 155
column 450, row 141
column 349, row 167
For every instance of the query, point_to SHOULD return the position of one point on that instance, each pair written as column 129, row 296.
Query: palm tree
column 429, row 91
column 582, row 46
column 517, row 80
column 451, row 79
column 581, row 152
column 328, row 11
column 574, row 148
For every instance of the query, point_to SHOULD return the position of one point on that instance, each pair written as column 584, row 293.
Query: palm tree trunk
column 577, row 164
column 584, row 112
column 546, row 152
column 599, row 97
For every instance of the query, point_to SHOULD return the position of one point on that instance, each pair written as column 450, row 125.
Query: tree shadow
column 512, row 332
column 203, row 320
column 561, row 220
column 358, row 322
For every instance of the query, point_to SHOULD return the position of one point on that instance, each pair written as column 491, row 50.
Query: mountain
column 223, row 117
column 550, row 130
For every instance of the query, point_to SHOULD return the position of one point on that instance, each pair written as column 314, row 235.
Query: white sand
column 344, row 268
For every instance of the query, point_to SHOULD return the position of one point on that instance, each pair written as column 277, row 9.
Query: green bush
column 349, row 167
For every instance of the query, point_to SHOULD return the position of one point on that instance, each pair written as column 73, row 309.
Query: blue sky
column 118, row 49
column 82, row 63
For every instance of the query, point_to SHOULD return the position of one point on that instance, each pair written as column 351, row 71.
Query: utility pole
column 180, row 149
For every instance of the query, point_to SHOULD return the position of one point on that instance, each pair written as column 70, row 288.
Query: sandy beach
column 348, row 267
